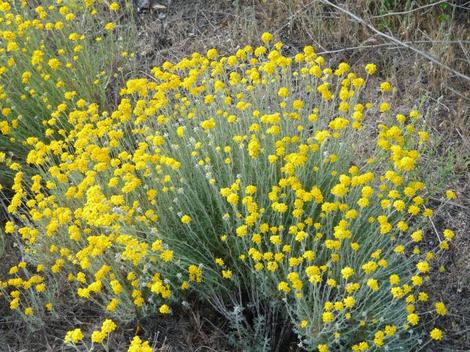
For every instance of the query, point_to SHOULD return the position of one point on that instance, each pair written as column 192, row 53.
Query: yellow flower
column 283, row 286
column 116, row 286
column 355, row 246
column 298, row 104
column 180, row 131
column 212, row 54
column 385, row 87
column 347, row 272
column 361, row 346
column 373, row 284
column 54, row 63
column 137, row 345
column 413, row 319
column 450, row 194
column 108, row 326
column 283, row 92
column 164, row 309
column 266, row 37
column 328, row 317
column 112, row 305
column 167, row 255
column 401, row 118
column 97, row 337
column 371, row 69
column 423, row 266
column 114, row 6
column 427, row 212
column 436, row 334
column 195, row 273
column 73, row 336
column 9, row 227
column 378, row 338
column 254, row 147
column 226, row 274
column 110, row 26
column 417, row 236
column 185, row 219
column 414, row 114
column 441, row 308
column 349, row 302
column 448, row 234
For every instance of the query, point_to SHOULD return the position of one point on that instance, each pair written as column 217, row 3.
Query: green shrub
column 50, row 52
column 278, row 190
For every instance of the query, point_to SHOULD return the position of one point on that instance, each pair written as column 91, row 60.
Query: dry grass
column 188, row 26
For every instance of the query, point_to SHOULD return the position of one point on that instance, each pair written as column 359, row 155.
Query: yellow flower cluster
column 99, row 335
column 49, row 54
column 254, row 171
column 137, row 345
column 73, row 336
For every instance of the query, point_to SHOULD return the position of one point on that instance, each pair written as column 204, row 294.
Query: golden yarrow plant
column 263, row 184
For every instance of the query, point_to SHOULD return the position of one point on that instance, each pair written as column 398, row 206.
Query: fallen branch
column 410, row 11
column 395, row 40
column 373, row 46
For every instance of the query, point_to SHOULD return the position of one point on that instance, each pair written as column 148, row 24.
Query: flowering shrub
column 50, row 53
column 263, row 184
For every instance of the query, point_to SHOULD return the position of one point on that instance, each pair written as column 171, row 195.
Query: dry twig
column 395, row 40
column 410, row 11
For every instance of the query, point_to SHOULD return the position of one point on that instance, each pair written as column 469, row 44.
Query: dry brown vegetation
column 422, row 47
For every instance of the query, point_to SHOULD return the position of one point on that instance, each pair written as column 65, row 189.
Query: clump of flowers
column 50, row 53
column 250, row 180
